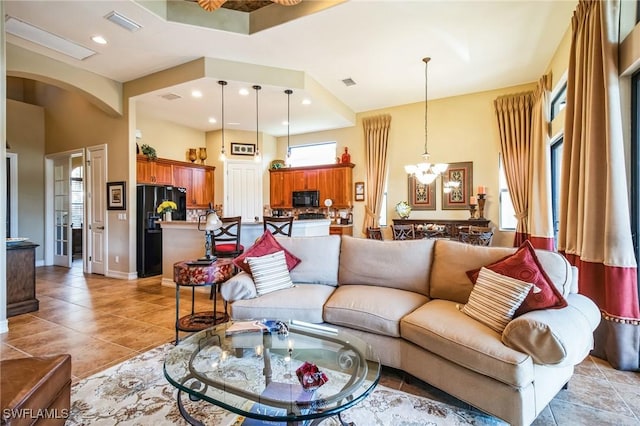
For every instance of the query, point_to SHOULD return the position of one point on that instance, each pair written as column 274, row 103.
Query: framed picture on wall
column 116, row 195
column 421, row 196
column 359, row 191
column 458, row 198
column 243, row 148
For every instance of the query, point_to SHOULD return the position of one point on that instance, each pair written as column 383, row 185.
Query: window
column 508, row 220
column 635, row 165
column 556, row 168
column 77, row 198
column 559, row 101
column 313, row 154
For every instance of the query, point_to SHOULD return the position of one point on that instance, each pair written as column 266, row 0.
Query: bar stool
column 194, row 273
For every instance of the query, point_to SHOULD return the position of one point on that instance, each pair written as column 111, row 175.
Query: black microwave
column 305, row 198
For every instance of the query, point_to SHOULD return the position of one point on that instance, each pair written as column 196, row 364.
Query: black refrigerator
column 148, row 231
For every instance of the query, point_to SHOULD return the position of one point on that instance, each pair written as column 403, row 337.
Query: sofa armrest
column 238, row 287
column 558, row 337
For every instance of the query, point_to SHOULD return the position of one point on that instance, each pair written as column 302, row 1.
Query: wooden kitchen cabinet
column 198, row 179
column 333, row 181
column 156, row 172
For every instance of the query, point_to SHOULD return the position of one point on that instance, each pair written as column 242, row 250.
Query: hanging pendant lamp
column 288, row 92
column 222, row 83
column 257, row 158
column 426, row 172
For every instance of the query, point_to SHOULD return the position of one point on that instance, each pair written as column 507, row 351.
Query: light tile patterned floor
column 102, row 321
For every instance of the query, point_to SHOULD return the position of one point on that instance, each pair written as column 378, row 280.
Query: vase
column 346, row 157
column 167, row 216
column 202, row 153
column 193, row 155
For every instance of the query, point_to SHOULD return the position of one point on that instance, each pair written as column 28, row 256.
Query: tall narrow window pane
column 556, row 163
column 508, row 220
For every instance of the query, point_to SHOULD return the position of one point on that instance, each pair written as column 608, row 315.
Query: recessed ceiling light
column 196, row 93
column 212, row 120
column 243, row 92
column 44, row 38
column 99, row 39
column 306, row 102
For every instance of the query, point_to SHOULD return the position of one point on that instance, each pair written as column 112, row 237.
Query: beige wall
column 26, row 135
column 170, row 140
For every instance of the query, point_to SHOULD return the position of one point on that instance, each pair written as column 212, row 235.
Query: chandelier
column 426, row 172
column 211, row 5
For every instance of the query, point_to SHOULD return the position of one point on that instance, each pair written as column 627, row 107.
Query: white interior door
column 96, row 174
column 62, row 255
column 243, row 190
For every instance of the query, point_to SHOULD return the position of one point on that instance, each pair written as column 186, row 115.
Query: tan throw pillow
column 270, row 272
column 495, row 298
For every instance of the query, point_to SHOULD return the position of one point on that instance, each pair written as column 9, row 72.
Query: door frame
column 49, row 216
column 13, row 192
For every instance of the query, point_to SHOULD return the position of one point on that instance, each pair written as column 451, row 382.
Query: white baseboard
column 122, row 275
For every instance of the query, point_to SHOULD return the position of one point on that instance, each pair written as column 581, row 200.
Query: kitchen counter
column 181, row 240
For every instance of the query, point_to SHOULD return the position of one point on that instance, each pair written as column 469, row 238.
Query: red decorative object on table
column 310, row 377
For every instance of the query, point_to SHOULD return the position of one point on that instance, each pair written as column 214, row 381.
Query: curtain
column 540, row 216
column 514, row 124
column 376, row 138
column 595, row 231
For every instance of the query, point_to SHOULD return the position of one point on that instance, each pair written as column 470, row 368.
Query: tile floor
column 102, row 321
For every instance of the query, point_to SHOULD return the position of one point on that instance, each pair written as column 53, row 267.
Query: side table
column 192, row 273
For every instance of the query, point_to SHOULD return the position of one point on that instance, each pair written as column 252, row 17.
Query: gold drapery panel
column 376, row 139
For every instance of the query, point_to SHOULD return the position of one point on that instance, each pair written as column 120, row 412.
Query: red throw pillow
column 264, row 245
column 525, row 266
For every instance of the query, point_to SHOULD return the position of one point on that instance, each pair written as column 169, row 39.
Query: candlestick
column 482, row 189
column 481, row 201
column 472, row 210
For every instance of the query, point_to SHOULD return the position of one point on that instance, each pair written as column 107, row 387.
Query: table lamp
column 209, row 222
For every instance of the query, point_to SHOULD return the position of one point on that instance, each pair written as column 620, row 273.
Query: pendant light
column 426, row 172
column 222, row 83
column 257, row 158
column 288, row 92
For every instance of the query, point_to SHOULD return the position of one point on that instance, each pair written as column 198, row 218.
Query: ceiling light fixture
column 196, row 93
column 257, row 156
column 99, row 39
column 31, row 33
column 288, row 92
column 426, row 172
column 122, row 21
column 211, row 5
column 222, row 83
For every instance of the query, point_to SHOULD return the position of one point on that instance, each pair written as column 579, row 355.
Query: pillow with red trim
column 264, row 245
column 525, row 266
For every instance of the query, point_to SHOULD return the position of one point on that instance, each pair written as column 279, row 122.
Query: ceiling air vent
column 349, row 82
column 170, row 96
column 123, row 21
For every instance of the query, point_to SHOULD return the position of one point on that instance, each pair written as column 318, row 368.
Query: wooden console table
column 21, row 278
column 450, row 225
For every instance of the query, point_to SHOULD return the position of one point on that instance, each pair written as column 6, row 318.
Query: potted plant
column 149, row 151
column 165, row 208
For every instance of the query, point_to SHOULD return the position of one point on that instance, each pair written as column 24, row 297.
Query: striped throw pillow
column 495, row 298
column 270, row 272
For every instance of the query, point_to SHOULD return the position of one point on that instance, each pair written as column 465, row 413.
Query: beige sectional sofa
column 404, row 298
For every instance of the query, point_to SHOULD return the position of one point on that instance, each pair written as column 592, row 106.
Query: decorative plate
column 403, row 209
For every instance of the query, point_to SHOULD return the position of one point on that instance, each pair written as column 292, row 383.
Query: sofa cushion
column 319, row 257
column 525, row 266
column 495, row 298
column 301, row 302
column 270, row 272
column 367, row 308
column 452, row 259
column 403, row 265
column 440, row 327
column 266, row 244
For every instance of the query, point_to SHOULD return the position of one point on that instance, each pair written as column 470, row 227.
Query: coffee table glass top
column 253, row 374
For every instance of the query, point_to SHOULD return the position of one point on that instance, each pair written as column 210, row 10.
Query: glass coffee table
column 255, row 373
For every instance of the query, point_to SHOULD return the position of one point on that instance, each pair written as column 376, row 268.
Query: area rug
column 136, row 392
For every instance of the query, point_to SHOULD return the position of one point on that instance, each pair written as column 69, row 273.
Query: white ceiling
column 474, row 45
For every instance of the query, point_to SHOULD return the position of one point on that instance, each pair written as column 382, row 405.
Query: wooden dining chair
column 476, row 235
column 403, row 232
column 278, row 225
column 374, row 233
column 226, row 240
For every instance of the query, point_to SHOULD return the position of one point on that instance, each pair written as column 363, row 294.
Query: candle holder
column 472, row 210
column 482, row 198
